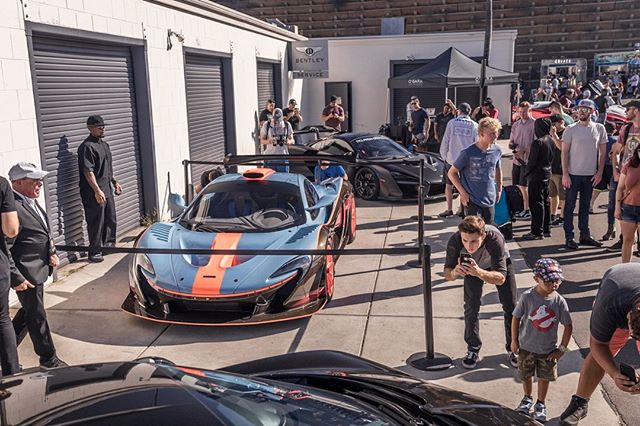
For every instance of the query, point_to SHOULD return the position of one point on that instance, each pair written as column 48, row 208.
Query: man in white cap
column 275, row 135
column 583, row 155
column 32, row 256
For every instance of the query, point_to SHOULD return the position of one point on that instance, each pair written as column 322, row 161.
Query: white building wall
column 364, row 61
column 18, row 127
column 136, row 19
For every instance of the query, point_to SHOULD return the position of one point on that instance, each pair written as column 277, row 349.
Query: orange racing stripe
column 208, row 278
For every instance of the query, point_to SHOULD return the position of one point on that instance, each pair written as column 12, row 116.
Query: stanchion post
column 429, row 360
column 418, row 263
column 185, row 169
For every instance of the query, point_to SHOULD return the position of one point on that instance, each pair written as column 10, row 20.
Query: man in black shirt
column 478, row 254
column 292, row 114
column 266, row 113
column 419, row 123
column 538, row 173
column 97, row 187
column 9, row 228
column 615, row 318
column 442, row 119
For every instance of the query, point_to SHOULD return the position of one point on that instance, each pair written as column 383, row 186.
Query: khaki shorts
column 555, row 187
column 530, row 364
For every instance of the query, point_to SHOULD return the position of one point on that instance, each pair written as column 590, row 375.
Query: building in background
column 172, row 79
column 547, row 29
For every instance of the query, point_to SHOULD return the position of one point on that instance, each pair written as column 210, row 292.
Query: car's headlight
column 302, row 263
column 142, row 260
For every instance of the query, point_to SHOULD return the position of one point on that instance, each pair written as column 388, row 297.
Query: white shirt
column 270, row 130
column 33, row 203
column 461, row 132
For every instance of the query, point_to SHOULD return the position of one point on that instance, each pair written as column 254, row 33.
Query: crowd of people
column 558, row 162
column 616, row 85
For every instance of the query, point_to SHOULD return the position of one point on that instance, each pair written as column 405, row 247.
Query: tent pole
column 455, row 96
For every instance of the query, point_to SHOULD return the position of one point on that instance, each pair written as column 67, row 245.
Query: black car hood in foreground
column 340, row 389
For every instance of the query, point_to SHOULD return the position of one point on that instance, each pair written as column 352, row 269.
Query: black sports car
column 392, row 181
column 308, row 388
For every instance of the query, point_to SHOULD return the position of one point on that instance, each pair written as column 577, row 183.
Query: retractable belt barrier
column 429, row 360
column 341, row 252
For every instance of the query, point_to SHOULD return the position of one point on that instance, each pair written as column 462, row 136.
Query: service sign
column 310, row 59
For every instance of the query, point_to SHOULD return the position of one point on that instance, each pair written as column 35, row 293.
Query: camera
column 465, row 258
column 513, row 146
column 280, row 139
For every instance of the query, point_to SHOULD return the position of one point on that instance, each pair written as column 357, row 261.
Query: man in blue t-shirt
column 477, row 173
column 327, row 170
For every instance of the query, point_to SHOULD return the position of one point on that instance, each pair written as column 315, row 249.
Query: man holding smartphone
column 333, row 114
column 478, row 254
column 615, row 318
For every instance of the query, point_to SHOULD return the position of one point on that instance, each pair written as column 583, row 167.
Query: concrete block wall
column 18, row 127
column 137, row 19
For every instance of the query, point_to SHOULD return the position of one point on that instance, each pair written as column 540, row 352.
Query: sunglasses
column 584, row 110
column 38, row 182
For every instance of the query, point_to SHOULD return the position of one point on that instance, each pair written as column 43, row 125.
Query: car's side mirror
column 176, row 204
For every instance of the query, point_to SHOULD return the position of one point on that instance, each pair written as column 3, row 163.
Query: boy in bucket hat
column 534, row 332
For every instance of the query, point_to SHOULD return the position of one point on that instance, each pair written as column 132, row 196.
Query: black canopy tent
column 452, row 68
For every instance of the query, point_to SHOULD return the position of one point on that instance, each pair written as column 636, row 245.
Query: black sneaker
column 446, row 213
column 616, row 247
column 96, row 258
column 471, row 360
column 558, row 221
column 547, row 234
column 576, row 411
column 571, row 244
column 588, row 240
column 53, row 362
column 531, row 236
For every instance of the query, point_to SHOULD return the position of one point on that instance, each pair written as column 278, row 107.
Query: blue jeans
column 611, row 206
column 579, row 185
column 280, row 166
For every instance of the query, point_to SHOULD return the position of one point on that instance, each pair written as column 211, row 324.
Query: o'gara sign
column 310, row 59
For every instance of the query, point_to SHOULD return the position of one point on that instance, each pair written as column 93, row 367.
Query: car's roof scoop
column 258, row 173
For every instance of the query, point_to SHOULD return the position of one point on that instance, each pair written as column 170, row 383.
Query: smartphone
column 629, row 371
column 465, row 258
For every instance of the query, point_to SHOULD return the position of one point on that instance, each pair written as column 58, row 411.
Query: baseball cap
column 26, row 170
column 277, row 114
column 548, row 269
column 414, row 97
column 95, row 120
column 464, row 108
column 635, row 103
column 587, row 103
column 333, row 98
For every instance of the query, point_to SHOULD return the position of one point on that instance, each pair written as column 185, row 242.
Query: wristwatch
column 563, row 348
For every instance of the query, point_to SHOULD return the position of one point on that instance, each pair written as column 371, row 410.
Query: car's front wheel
column 366, row 184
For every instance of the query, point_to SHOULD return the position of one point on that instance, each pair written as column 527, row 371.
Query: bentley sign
column 310, row 59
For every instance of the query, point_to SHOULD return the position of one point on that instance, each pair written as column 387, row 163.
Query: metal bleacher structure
column 547, row 29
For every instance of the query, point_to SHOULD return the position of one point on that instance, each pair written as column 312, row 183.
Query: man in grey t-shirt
column 615, row 319
column 583, row 155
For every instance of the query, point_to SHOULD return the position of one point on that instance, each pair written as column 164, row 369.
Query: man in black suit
column 32, row 257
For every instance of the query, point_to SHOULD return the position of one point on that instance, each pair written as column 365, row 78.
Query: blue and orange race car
column 258, row 210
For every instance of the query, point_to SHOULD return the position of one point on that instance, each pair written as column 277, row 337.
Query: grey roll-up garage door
column 266, row 84
column 74, row 80
column 205, row 111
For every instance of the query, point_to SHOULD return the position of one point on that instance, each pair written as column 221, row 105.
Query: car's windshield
column 380, row 146
column 245, row 206
column 240, row 400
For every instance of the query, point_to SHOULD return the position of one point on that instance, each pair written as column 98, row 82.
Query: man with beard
column 583, row 153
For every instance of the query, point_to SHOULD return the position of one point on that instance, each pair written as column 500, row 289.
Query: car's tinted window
column 312, row 197
column 243, row 205
column 380, row 146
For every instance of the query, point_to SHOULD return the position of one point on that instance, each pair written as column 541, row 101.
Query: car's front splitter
column 213, row 318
